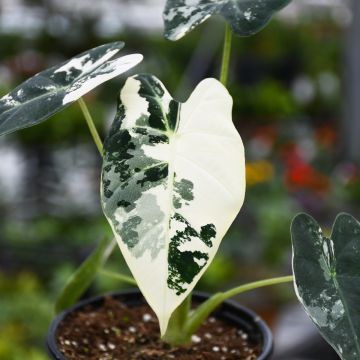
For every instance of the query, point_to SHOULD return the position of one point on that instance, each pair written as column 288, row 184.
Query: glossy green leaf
column 246, row 17
column 51, row 90
column 84, row 275
column 327, row 279
column 173, row 180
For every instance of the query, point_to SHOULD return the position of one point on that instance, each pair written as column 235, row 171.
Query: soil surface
column 116, row 331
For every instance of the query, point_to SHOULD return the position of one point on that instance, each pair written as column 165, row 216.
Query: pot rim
column 249, row 316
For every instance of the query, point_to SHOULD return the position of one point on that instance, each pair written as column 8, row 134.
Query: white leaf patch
column 101, row 74
column 173, row 181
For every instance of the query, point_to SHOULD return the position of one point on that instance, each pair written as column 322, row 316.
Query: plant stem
column 205, row 309
column 91, row 125
column 175, row 334
column 110, row 249
column 118, row 276
column 226, row 55
column 257, row 284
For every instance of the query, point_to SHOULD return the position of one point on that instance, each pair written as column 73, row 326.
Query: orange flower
column 258, row 172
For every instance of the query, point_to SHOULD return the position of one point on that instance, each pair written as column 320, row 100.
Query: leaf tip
column 300, row 219
column 168, row 35
column 344, row 216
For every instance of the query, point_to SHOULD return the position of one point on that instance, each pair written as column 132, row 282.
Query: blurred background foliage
column 287, row 83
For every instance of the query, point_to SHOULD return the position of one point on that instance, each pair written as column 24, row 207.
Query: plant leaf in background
column 173, row 180
column 327, row 279
column 246, row 17
column 84, row 275
column 51, row 90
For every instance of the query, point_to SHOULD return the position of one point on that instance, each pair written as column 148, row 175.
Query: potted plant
column 172, row 182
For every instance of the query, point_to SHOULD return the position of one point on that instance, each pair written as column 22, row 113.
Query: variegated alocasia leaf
column 327, row 279
column 51, row 90
column 172, row 183
column 246, row 17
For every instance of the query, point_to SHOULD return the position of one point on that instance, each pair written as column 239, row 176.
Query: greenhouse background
column 295, row 88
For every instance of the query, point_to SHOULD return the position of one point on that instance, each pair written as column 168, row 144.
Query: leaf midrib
column 15, row 107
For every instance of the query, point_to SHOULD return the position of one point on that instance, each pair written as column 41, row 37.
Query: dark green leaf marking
column 152, row 90
column 153, row 175
column 207, row 233
column 183, row 191
column 246, row 17
column 327, row 278
column 128, row 232
column 185, row 265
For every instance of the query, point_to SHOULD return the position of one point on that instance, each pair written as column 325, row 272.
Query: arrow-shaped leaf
column 51, row 90
column 327, row 279
column 246, row 17
column 84, row 275
column 172, row 183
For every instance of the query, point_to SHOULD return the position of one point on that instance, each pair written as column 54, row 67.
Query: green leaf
column 246, row 17
column 173, row 180
column 327, row 279
column 51, row 90
column 84, row 275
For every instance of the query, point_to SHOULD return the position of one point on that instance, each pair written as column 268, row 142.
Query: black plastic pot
column 229, row 311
